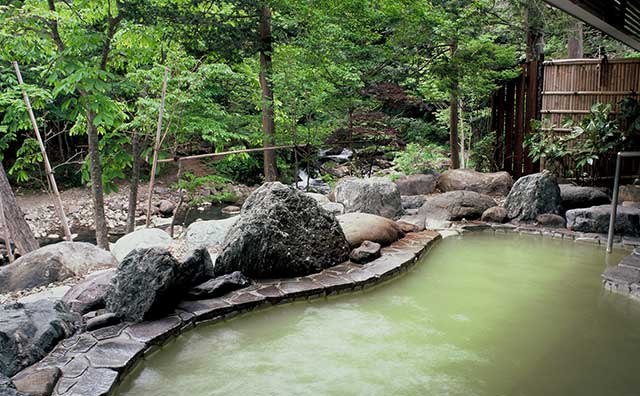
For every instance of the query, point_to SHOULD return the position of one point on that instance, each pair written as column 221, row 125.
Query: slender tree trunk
column 95, row 171
column 17, row 226
column 268, row 124
column 575, row 41
column 134, row 183
column 453, row 116
column 156, row 146
column 535, row 30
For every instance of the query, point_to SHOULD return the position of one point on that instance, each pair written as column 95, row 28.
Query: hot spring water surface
column 482, row 315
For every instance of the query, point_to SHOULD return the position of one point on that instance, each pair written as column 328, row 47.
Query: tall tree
column 575, row 41
column 18, row 228
column 266, row 84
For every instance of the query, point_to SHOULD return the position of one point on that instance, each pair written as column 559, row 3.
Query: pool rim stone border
column 128, row 344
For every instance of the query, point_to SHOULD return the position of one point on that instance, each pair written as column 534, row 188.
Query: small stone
column 38, row 382
column 104, row 320
column 551, row 220
column 231, row 209
column 368, row 251
column 219, row 286
column 496, row 214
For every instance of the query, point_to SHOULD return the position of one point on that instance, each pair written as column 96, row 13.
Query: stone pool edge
column 94, row 363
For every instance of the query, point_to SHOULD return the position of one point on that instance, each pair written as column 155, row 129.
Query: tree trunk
column 535, row 31
column 17, row 226
column 268, row 125
column 102, row 236
column 135, row 181
column 453, row 116
column 575, row 42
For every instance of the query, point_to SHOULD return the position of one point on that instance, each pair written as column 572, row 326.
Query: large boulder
column 574, row 197
column 89, row 294
column 497, row 183
column 29, row 331
column 412, row 201
column 360, row 227
column 54, row 263
column 454, row 205
column 282, row 233
column 596, row 219
column 533, row 195
column 375, row 195
column 142, row 238
column 208, row 233
column 417, row 184
column 149, row 282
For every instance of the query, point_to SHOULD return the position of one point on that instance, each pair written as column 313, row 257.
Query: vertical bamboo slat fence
column 570, row 88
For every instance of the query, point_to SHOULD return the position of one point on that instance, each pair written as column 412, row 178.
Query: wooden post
column 509, row 130
column 57, row 201
column 519, row 128
column 498, row 154
column 156, row 146
column 531, row 106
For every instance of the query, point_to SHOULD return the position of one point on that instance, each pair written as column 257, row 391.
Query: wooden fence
column 566, row 89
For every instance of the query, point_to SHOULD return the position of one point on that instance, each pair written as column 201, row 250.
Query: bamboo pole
column 223, row 153
column 156, row 146
column 57, row 201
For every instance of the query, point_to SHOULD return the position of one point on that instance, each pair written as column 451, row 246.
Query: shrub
column 420, row 159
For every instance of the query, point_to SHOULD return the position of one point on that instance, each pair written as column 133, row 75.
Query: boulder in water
column 281, row 232
column 29, row 331
column 498, row 183
column 455, row 205
column 375, row 195
column 533, row 195
column 54, row 263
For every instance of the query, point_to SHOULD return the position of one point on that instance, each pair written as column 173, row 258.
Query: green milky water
column 480, row 315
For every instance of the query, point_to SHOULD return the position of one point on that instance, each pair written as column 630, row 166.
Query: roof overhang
column 619, row 19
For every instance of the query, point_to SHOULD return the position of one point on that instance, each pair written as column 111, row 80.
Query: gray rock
column 596, row 219
column 412, row 201
column 366, row 252
column 417, row 184
column 498, row 183
column 574, row 197
column 196, row 268
column 496, row 214
column 7, row 388
column 533, row 195
column 37, row 382
column 320, row 198
column 29, row 331
column 104, row 320
column 149, row 282
column 208, row 233
column 375, row 195
column 360, row 227
column 166, row 207
column 455, row 205
column 89, row 294
column 334, row 208
column 54, row 263
column 551, row 220
column 219, row 286
column 629, row 192
column 142, row 238
column 282, row 233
